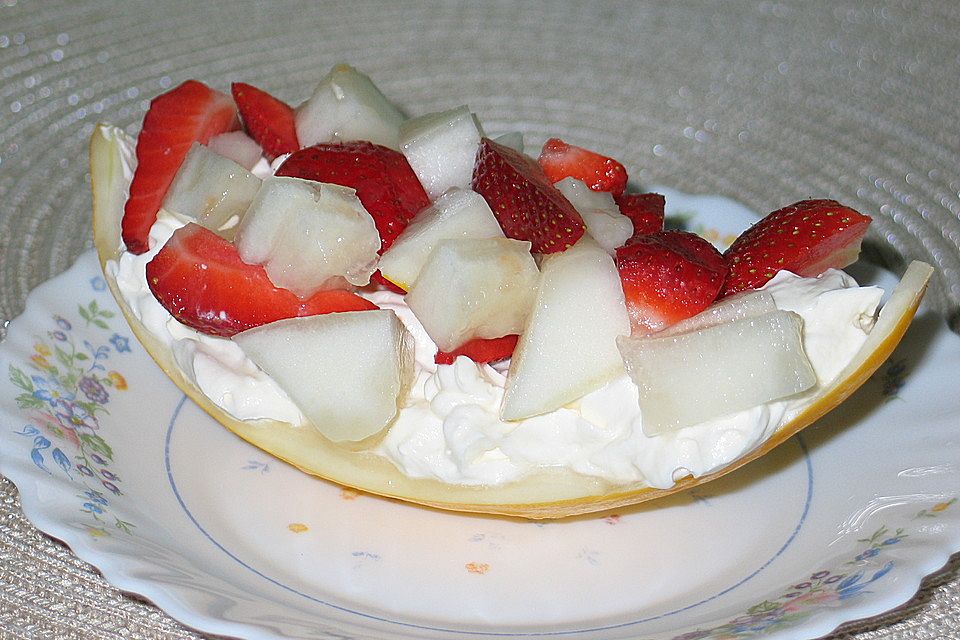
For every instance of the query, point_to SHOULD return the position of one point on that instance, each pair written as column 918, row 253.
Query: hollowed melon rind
column 549, row 494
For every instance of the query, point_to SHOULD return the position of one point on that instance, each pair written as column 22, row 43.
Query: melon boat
column 547, row 494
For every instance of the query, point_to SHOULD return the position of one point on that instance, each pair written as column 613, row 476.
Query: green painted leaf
column 63, row 357
column 29, row 401
column 20, row 379
column 98, row 444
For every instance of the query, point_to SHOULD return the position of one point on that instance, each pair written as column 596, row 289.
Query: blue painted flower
column 92, row 507
column 120, row 343
column 51, row 391
column 96, row 496
column 853, row 586
column 63, row 323
column 59, row 335
column 98, row 283
column 869, row 553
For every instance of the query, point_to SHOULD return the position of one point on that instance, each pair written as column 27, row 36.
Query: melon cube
column 692, row 377
column 457, row 214
column 474, row 289
column 348, row 372
column 568, row 347
column 309, row 235
column 211, row 190
column 600, row 213
column 346, row 106
column 441, row 148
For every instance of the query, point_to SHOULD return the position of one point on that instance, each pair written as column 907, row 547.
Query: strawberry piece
column 201, row 281
column 480, row 350
column 560, row 160
column 191, row 112
column 269, row 121
column 524, row 200
column 386, row 185
column 645, row 210
column 668, row 276
column 807, row 238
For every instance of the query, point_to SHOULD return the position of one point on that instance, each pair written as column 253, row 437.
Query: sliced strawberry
column 561, row 160
column 269, row 121
column 524, row 200
column 382, row 178
column 191, row 112
column 807, row 238
column 201, row 281
column 668, row 276
column 645, row 210
column 480, row 350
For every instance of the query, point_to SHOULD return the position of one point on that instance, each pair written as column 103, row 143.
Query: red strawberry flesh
column 668, row 276
column 269, row 121
column 806, row 238
column 191, row 112
column 645, row 210
column 560, row 160
column 386, row 185
column 523, row 199
column 481, row 350
column 201, row 281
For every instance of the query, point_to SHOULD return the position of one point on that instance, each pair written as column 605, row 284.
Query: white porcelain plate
column 839, row 524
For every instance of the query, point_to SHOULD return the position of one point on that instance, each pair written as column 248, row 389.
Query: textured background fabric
column 767, row 102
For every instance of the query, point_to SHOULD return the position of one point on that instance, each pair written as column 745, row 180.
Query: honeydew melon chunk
column 568, row 347
column 458, row 213
column 348, row 372
column 346, row 106
column 237, row 146
column 693, row 377
column 309, row 235
column 600, row 213
column 441, row 148
column 211, row 190
column 546, row 494
column 512, row 139
column 746, row 304
column 479, row 288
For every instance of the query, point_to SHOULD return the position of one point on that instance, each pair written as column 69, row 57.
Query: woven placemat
column 766, row 102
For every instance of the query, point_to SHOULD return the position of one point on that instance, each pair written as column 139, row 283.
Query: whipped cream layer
column 449, row 427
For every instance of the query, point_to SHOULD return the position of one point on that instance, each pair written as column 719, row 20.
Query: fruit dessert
column 416, row 309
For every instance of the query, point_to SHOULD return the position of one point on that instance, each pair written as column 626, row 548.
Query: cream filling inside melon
column 542, row 491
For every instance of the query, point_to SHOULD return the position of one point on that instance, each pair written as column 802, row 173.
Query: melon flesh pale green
column 693, row 377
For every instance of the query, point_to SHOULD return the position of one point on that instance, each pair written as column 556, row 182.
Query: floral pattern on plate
column 65, row 388
column 825, row 588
